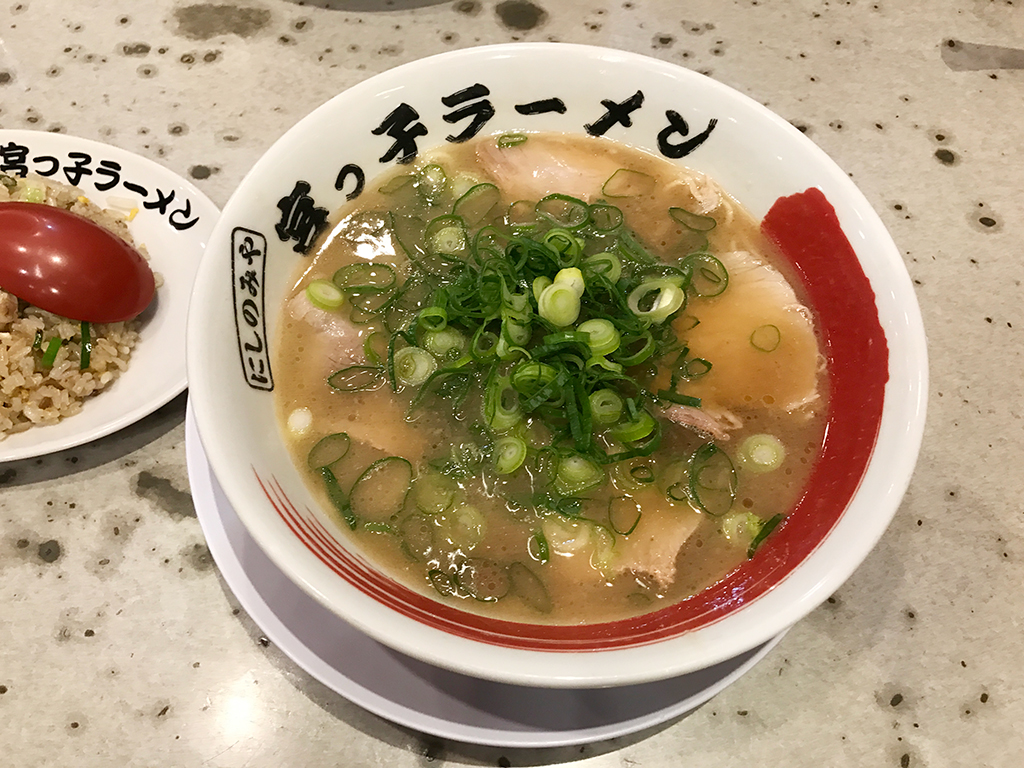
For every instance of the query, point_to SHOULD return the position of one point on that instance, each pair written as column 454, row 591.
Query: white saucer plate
column 173, row 222
column 417, row 695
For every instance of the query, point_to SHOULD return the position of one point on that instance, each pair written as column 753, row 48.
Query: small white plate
column 167, row 204
column 417, row 695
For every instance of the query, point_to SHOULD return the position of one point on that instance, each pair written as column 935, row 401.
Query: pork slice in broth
column 380, row 422
column 338, row 342
column 653, row 547
column 709, row 423
column 744, row 376
column 373, row 418
column 650, row 550
column 533, row 169
column 695, row 192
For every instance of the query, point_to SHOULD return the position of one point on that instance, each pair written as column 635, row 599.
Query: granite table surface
column 121, row 643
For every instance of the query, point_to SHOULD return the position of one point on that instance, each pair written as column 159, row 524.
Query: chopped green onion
column 477, row 203
column 559, row 304
column 606, row 264
column 623, row 514
column 337, row 497
column 357, row 378
column 34, row 193
column 635, row 349
column 539, row 284
column 635, row 429
column 324, row 294
column 528, row 587
column 674, row 481
column 674, row 397
column 695, row 368
column 442, row 582
column 86, row 353
column 52, row 348
column 655, row 300
column 484, row 345
column 441, row 343
column 576, row 409
column 712, row 480
column 397, row 184
column 740, row 526
column 329, row 450
column 572, row 277
column 417, row 532
column 451, row 384
column 766, row 338
column 605, row 218
column 604, row 337
column 413, row 366
column 761, row 453
column 600, row 361
column 628, row 183
column 766, row 529
column 693, row 221
column 602, row 555
column 521, row 216
column 561, row 339
column 686, row 323
column 633, row 474
column 485, row 580
column 568, row 246
column 462, row 182
column 433, row 182
column 576, row 474
column 365, row 278
column 501, row 404
column 507, row 140
column 463, row 526
column 709, row 275
column 566, row 534
column 447, row 235
column 433, row 492
column 605, row 406
column 433, row 319
column 380, row 491
column 529, row 378
column 641, row 474
column 375, row 348
column 538, row 546
column 509, row 454
column 564, row 211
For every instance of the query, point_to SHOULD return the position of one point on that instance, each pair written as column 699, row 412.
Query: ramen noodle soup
column 550, row 378
column 50, row 365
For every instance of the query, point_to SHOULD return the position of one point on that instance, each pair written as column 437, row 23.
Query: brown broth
column 593, row 582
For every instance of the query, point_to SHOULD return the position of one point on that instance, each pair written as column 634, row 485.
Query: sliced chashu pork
column 653, row 547
column 584, row 552
column 742, row 375
column 538, row 167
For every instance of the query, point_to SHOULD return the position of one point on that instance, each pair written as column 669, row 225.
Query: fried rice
column 32, row 392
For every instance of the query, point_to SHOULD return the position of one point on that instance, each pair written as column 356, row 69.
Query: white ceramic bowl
column 858, row 286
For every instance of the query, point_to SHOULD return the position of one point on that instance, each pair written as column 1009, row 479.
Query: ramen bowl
column 854, row 278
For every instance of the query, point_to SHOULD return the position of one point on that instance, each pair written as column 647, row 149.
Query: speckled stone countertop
column 120, row 643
